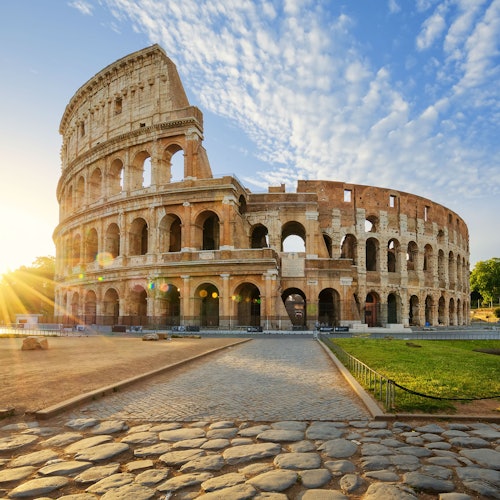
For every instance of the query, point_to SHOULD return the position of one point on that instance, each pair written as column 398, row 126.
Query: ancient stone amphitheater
column 146, row 240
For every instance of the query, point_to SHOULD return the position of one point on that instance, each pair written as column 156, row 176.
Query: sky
column 391, row 93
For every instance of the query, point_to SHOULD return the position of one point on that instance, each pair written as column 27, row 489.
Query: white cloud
column 432, row 29
column 83, row 6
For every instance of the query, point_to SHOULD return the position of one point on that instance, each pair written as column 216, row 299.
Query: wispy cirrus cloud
column 294, row 77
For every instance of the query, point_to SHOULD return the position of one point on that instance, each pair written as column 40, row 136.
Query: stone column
column 186, row 304
column 225, row 320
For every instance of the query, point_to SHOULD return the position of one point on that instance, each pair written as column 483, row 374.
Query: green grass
column 440, row 368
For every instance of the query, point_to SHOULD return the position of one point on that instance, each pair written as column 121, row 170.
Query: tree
column 485, row 279
column 28, row 290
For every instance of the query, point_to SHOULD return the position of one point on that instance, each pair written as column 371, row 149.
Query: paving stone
column 82, row 423
column 96, row 473
column 189, row 443
column 224, row 433
column 224, row 481
column 324, row 430
column 182, row 434
column 215, row 444
column 111, row 482
column 426, row 483
column 238, row 492
column 62, row 439
column 109, row 427
column 129, row 491
column 280, row 435
column 379, row 491
column 180, row 482
column 102, row 452
column 34, row 458
column 383, row 475
column 315, row 478
column 298, row 461
column 141, row 438
column 254, row 469
column 339, row 448
column 318, row 494
column 137, row 465
column 245, row 453
column 276, row 480
column 469, row 442
column 36, row 487
column 155, row 449
column 208, row 462
column 16, row 473
column 85, row 443
column 484, row 457
column 340, row 467
column 350, row 483
column 15, row 442
column 181, row 457
column 152, row 476
column 64, row 468
column 301, row 446
column 485, row 482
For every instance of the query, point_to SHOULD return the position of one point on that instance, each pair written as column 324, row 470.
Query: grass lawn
column 440, row 368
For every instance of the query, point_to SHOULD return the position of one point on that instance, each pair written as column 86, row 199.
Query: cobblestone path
column 266, row 379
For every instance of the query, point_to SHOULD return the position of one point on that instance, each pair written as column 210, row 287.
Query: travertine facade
column 135, row 246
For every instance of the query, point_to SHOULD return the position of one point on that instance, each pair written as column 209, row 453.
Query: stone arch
column 170, row 233
column 80, row 192
column 208, row 230
column 451, row 312
column 371, row 224
column 291, row 234
column 242, row 205
column 372, row 309
column 414, row 311
column 138, row 304
column 329, row 307
column 259, row 236
column 138, row 237
column 295, row 303
column 372, row 250
column 442, row 320
column 91, row 245
column 140, row 171
column 429, row 310
column 451, row 270
column 328, row 244
column 349, row 248
column 412, row 256
column 69, row 199
column 393, row 308
column 90, row 308
column 441, row 269
column 207, row 304
column 170, row 303
column 112, row 240
column 393, row 249
column 95, row 185
column 75, row 308
column 459, row 312
column 110, row 307
column 173, row 162
column 76, row 250
column 247, row 300
column 115, row 177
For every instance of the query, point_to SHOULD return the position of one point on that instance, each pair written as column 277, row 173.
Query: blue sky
column 391, row 93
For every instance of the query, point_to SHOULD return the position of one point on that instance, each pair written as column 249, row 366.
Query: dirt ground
column 33, row 380
column 36, row 379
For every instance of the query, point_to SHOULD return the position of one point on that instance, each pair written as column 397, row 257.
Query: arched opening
column 80, row 192
column 413, row 311
column 76, row 250
column 412, row 257
column 170, row 300
column 112, row 241
column 173, row 159
column 348, row 249
column 441, row 269
column 90, row 308
column 95, row 185
column 170, row 233
column 328, row 244
column 295, row 303
column 392, row 256
column 242, row 205
column 210, row 231
column 429, row 311
column 138, row 237
column 247, row 300
column 371, row 254
column 459, row 313
column 442, row 311
column 146, row 173
column 451, row 270
column 372, row 310
column 371, row 224
column 329, row 307
column 207, row 296
column 393, row 309
column 110, row 307
column 91, row 246
column 75, row 308
column 259, row 237
column 451, row 313
column 138, row 306
column 115, row 177
column 293, row 237
column 69, row 199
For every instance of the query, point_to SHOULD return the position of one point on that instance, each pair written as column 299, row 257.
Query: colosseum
column 146, row 239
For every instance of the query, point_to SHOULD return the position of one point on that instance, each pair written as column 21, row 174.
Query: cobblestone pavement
column 266, row 379
column 115, row 449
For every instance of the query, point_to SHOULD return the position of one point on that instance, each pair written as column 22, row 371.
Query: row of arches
column 104, row 181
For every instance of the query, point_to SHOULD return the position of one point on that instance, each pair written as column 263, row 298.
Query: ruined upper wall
column 139, row 90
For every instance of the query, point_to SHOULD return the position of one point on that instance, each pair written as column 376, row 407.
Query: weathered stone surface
column 64, row 468
column 62, row 439
column 81, row 423
column 208, row 462
column 340, row 467
column 318, row 494
column 102, row 452
column 238, row 492
column 324, row 430
column 225, row 433
column 182, row 434
column 276, row 480
column 350, row 483
column 35, row 458
column 155, row 449
column 110, row 482
column 181, row 457
column 383, row 475
column 379, row 491
column 152, row 476
column 179, row 482
column 469, row 442
column 86, row 443
column 224, row 481
column 140, row 438
column 109, row 427
column 96, row 473
column 150, row 336
column 137, row 465
column 128, row 492
column 37, row 487
column 339, row 448
column 298, row 461
column 484, row 457
column 188, row 443
column 280, row 435
column 35, row 343
column 16, row 473
column 15, row 442
column 429, row 484
column 315, row 478
column 215, row 444
column 485, row 482
column 245, row 453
